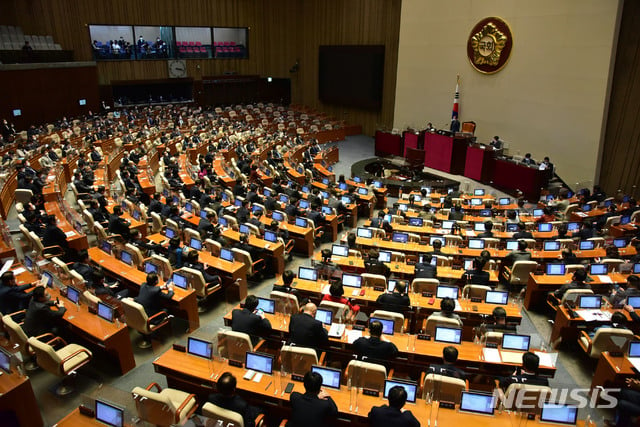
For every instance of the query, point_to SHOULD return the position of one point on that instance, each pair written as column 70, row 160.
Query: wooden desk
column 76, row 240
column 275, row 250
column 611, row 372
column 16, row 396
column 234, row 272
column 113, row 338
column 184, row 302
column 76, row 419
column 567, row 329
column 303, row 236
column 539, row 286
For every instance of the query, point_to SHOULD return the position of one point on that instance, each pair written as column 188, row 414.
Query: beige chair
column 374, row 280
column 453, row 240
column 163, row 264
column 475, row 291
column 253, row 267
column 253, row 229
column 234, row 345
column 136, row 254
column 285, row 303
column 137, row 318
column 340, row 311
column 228, row 418
column 435, row 320
column 91, row 299
column 443, row 388
column 612, row 220
column 425, row 285
column 529, row 393
column 571, row 268
column 399, row 322
column 397, row 256
column 366, row 375
column 63, row 362
column 490, row 242
column 355, row 253
column 156, row 223
column 18, row 340
column 299, row 360
column 606, row 339
column 166, row 407
column 202, row 289
column 519, row 272
column 23, row 195
column 442, row 261
column 42, row 251
column 597, row 241
column 213, row 247
column 572, row 295
column 612, row 264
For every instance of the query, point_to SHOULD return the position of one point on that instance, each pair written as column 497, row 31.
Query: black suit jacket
column 523, row 235
column 13, row 298
column 394, row 302
column 477, row 277
column 40, row 317
column 236, row 404
column 305, row 331
column 307, row 410
column 375, row 348
column 243, row 320
column 54, row 236
column 386, row 416
column 447, row 370
column 426, row 271
column 152, row 298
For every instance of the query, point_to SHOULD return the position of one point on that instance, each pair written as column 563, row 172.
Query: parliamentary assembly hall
column 318, row 213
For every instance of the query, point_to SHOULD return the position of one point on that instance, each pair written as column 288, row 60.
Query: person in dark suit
column 578, row 282
column 397, row 301
column 41, row 316
column 424, row 269
column 374, row 347
column 306, row 331
column 437, row 248
column 118, row 225
column 243, row 244
column 488, row 230
column 82, row 266
column 477, row 276
column 455, row 124
column 205, row 225
column 250, row 321
column 373, row 265
column 522, row 232
column 317, row 216
column 314, row 408
column 586, row 232
column 456, row 214
column 155, row 205
column 377, row 221
column 54, row 236
column 228, row 399
column 520, row 254
column 393, row 415
column 152, row 298
column 527, row 374
column 13, row 297
column 450, row 357
column 499, row 322
column 193, row 262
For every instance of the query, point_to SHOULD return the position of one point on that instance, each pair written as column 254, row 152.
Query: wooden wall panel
column 621, row 150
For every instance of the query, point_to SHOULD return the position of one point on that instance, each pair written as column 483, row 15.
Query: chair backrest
column 374, row 280
column 100, row 232
column 297, row 360
column 253, row 229
column 88, row 219
column 339, row 310
column 213, row 246
column 532, row 393
column 164, row 265
column 444, row 388
column 612, row 263
column 520, row 271
column 452, row 240
column 475, row 291
column 154, row 408
column 366, row 375
column 435, row 320
column 90, row 299
column 137, row 256
column 46, row 356
column 355, row 253
column 196, row 281
column 245, row 258
column 493, row 337
column 285, row 303
column 442, row 261
column 216, row 413
column 17, row 337
column 398, row 318
column 571, row 268
column 571, row 295
column 610, row 339
column 157, row 223
column 397, row 256
column 234, row 345
column 135, row 316
column 425, row 285
column 490, row 242
column 598, row 241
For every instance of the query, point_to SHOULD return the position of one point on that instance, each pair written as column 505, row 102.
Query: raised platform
column 402, row 175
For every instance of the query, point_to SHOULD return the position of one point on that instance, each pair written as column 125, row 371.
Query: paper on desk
column 547, row 359
column 604, row 278
column 352, row 335
column 491, row 355
column 469, row 233
column 593, row 315
column 18, row 271
column 635, row 361
column 580, row 214
column 70, row 233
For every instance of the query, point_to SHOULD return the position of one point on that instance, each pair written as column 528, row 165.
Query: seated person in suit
column 42, row 315
column 326, row 268
column 104, row 291
column 397, row 301
column 450, row 357
column 424, row 269
column 306, row 331
column 568, row 257
column 227, row 398
column 488, row 230
column 377, row 221
column 618, row 321
column 437, row 248
column 522, row 232
column 192, row 261
column 351, row 240
column 314, row 408
column 527, row 374
column 13, row 297
column 205, row 225
column 578, row 282
column 54, row 236
column 619, row 296
column 250, row 321
column 499, row 315
column 477, row 275
column 586, row 232
column 375, row 347
column 118, row 225
column 374, row 266
column 519, row 254
column 175, row 254
column 287, row 280
column 336, row 294
column 628, row 409
column 243, row 244
column 152, row 298
column 456, row 214
column 393, row 415
column 82, row 266
column 447, row 308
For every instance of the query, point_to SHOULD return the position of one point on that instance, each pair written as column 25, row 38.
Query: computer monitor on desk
column 387, row 325
column 180, row 280
column 416, row 222
column 400, row 237
column 479, row 403
column 591, row 302
column 277, row 216
column 553, row 269
column 410, row 387
column 352, row 280
column 448, row 335
column 307, row 273
column 365, row 233
column 551, row 245
column 587, row 245
column 598, row 269
column 126, row 257
column 330, row 376
column 559, row 414
column 105, row 246
column 339, row 250
column 259, row 362
column 226, row 254
column 108, row 414
column 515, row 342
column 324, row 316
column 200, row 348
column 476, row 244
column 384, row 256
column 545, row 227
column 270, row 236
column 447, row 292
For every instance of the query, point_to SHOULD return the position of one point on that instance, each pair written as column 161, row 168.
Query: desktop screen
column 339, row 250
column 596, row 269
column 105, row 312
column 244, row 229
column 384, row 256
column 387, row 325
column 267, row 305
column 416, row 222
column 150, row 267
column 352, row 280
column 105, row 246
column 477, row 402
column 590, row 301
column 512, row 245
column 307, row 273
column 259, row 362
column 497, row 297
column 366, row 233
column 587, row 245
column 450, row 335
column 447, row 292
column 73, row 294
column 562, row 414
column 476, row 244
column 515, row 342
column 126, row 257
column 551, row 246
column 199, row 347
column 195, row 243
column 400, row 237
column 180, row 281
column 324, row 316
column 109, row 414
column 270, row 236
column 226, row 254
column 410, row 387
column 301, row 222
column 330, row 376
column 556, row 269
column 545, row 227
column 278, row 216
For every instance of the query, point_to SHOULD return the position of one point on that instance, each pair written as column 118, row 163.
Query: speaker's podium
column 445, row 152
column 415, row 158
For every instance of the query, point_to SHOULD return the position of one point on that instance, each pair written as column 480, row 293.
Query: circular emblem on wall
column 489, row 45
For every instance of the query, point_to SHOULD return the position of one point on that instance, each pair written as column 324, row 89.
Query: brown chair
column 18, row 340
column 234, row 345
column 443, row 388
column 367, row 375
column 299, row 360
column 164, row 408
